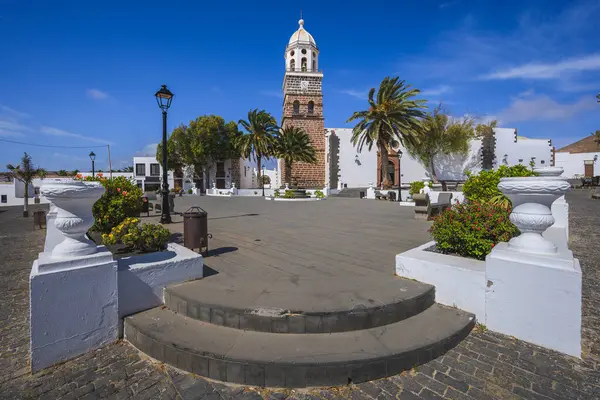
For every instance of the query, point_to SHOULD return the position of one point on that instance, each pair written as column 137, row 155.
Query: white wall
column 572, row 163
column 249, row 175
column 147, row 161
column 522, row 150
column 351, row 172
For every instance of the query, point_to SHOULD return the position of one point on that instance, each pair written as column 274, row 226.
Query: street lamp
column 399, row 176
column 164, row 97
column 93, row 158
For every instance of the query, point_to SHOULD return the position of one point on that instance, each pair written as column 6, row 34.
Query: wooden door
column 588, row 169
column 220, row 175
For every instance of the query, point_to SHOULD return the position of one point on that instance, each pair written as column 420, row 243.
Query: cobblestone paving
column 484, row 366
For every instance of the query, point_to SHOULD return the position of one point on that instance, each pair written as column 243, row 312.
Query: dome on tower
column 302, row 36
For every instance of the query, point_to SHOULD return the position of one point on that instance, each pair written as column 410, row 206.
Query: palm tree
column 259, row 139
column 441, row 135
column 392, row 116
column 26, row 172
column 597, row 137
column 293, row 145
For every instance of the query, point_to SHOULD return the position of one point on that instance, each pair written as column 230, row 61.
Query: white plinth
column 536, row 298
column 53, row 235
column 371, row 192
column 73, row 306
column 142, row 278
column 459, row 282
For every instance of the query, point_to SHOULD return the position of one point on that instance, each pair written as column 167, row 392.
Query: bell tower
column 303, row 104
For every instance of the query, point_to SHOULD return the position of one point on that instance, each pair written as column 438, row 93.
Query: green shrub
column 472, row 229
column 121, row 199
column 319, row 194
column 190, row 191
column 484, row 186
column 416, row 186
column 146, row 238
column 289, row 194
column 276, row 193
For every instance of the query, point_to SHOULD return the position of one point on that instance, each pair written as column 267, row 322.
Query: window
column 296, row 110
column 303, row 51
column 4, row 199
column 520, row 160
column 314, row 65
column 140, row 169
column 311, row 107
column 303, row 64
column 292, row 53
column 314, row 55
column 293, row 64
column 154, row 169
column 139, row 184
column 543, row 161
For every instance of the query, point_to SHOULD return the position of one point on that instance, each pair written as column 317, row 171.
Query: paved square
column 354, row 236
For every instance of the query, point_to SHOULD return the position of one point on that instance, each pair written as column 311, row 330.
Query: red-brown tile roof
column 585, row 145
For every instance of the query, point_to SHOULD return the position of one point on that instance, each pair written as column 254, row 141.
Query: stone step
column 319, row 305
column 296, row 360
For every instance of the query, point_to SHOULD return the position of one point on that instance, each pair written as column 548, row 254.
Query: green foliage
column 319, row 194
column 259, row 139
column 416, row 186
column 25, row 172
column 294, row 145
column 276, row 193
column 392, row 116
column 472, row 229
column 289, row 194
column 484, row 186
column 62, row 172
column 266, row 179
column 146, row 238
column 441, row 134
column 190, row 191
column 203, row 141
column 485, row 132
column 121, row 199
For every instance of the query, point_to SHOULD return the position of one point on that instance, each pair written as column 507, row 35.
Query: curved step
column 316, row 306
column 296, row 360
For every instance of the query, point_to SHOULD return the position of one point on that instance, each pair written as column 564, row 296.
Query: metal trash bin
column 39, row 218
column 195, row 230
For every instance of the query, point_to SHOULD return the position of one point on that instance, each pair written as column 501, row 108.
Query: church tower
column 303, row 104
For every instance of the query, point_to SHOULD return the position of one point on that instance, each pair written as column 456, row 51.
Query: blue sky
column 83, row 73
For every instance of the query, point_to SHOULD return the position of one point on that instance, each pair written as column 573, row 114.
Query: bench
column 425, row 209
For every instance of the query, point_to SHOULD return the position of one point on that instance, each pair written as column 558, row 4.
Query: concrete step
column 319, row 305
column 350, row 192
column 296, row 360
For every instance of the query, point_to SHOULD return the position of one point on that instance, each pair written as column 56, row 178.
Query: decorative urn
column 531, row 199
column 73, row 201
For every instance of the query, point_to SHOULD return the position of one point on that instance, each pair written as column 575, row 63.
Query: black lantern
column 93, row 158
column 164, row 98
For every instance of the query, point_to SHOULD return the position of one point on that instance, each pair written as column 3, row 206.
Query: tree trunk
column 26, row 200
column 258, row 175
column 288, row 172
column 386, row 182
column 433, row 173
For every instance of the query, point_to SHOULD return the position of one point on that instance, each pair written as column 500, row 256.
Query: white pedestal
column 74, row 306
column 536, row 298
column 53, row 235
column 558, row 233
column 371, row 193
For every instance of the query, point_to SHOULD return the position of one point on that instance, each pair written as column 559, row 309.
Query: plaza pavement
column 484, row 366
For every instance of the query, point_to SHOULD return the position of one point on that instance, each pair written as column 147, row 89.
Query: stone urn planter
column 532, row 198
column 73, row 201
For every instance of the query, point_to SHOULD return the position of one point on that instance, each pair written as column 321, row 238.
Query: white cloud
column 97, row 94
column 61, row 133
column 542, row 107
column 272, row 93
column 548, row 70
column 148, row 151
column 437, row 91
column 10, row 124
column 11, row 112
column 359, row 94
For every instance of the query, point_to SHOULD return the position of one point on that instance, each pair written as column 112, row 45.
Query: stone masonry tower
column 303, row 104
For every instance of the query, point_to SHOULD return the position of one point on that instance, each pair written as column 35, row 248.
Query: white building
column 147, row 173
column 346, row 167
column 579, row 159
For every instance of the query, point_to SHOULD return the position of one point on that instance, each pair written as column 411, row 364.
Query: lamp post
column 93, row 158
column 164, row 98
column 399, row 176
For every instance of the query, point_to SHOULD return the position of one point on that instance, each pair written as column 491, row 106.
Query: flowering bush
column 472, row 229
column 147, row 237
column 121, row 199
column 484, row 186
